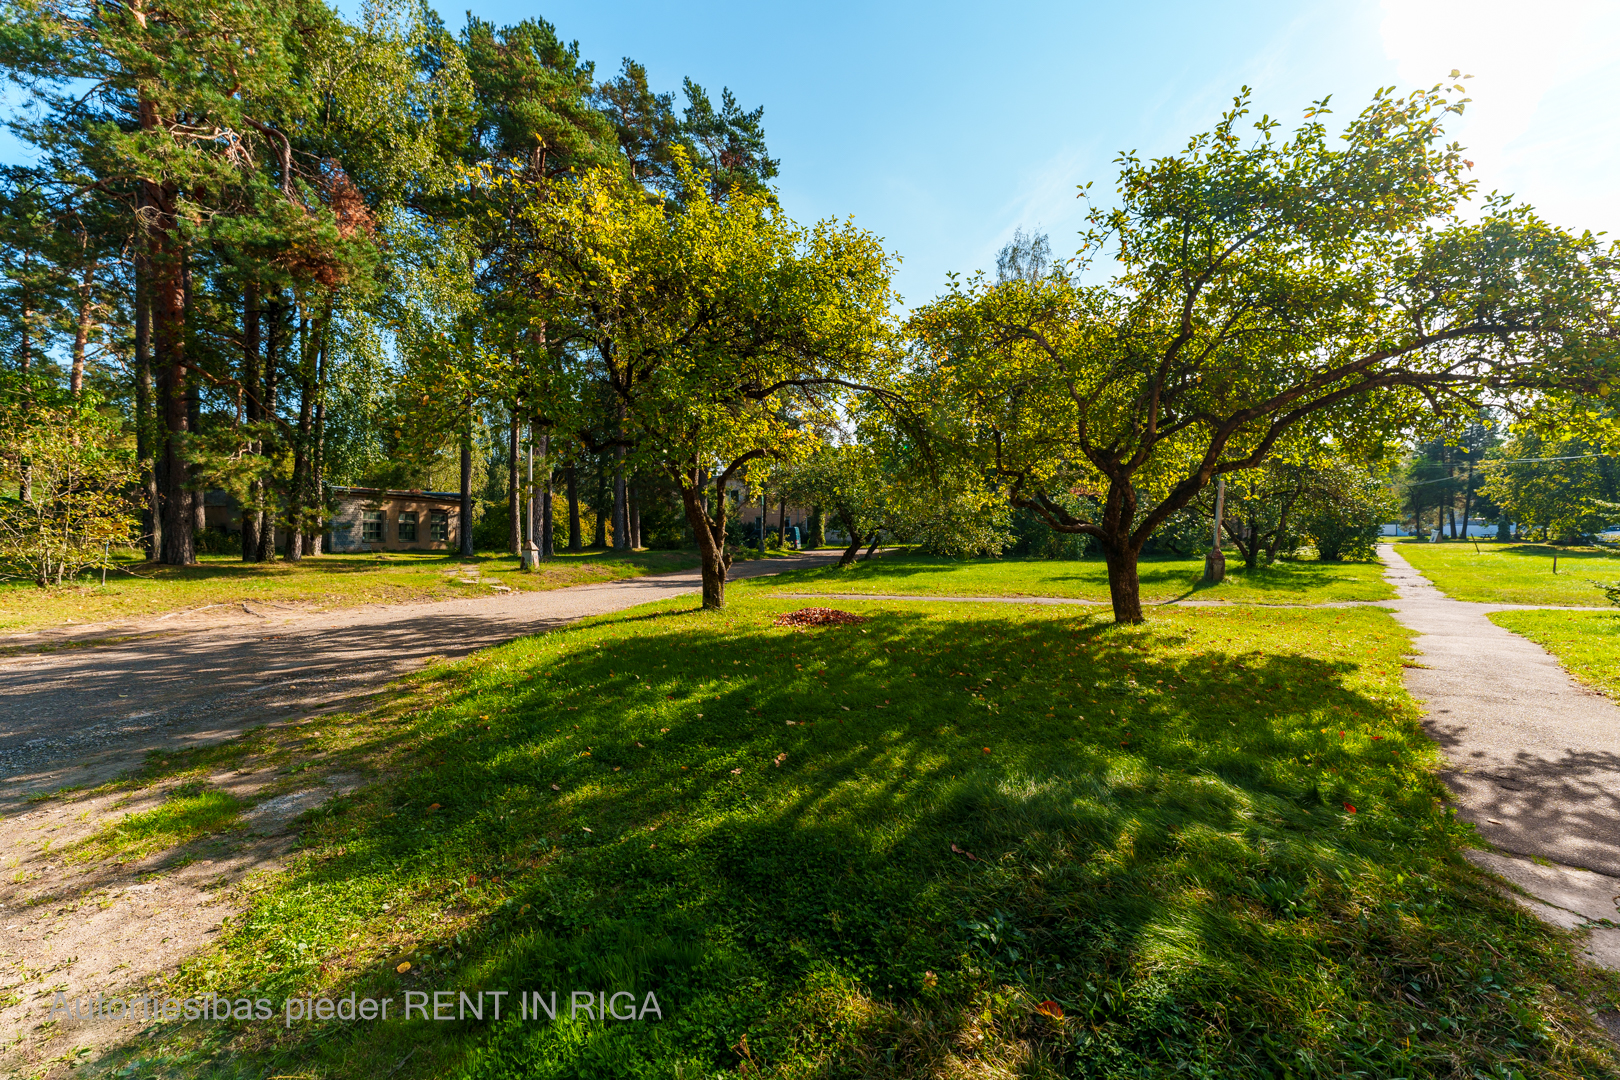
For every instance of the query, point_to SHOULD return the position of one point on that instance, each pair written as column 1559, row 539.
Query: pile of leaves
column 818, row 616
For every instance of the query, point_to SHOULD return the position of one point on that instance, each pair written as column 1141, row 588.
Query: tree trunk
column 818, row 528
column 873, row 546
column 81, row 333
column 169, row 325
column 573, row 507
column 1124, row 589
column 711, row 542
column 317, row 449
column 850, row 552
column 634, row 506
column 465, row 518
column 514, row 532
column 300, row 478
column 266, row 493
column 145, row 422
column 621, row 516
column 251, row 406
column 547, row 550
column 781, row 522
column 601, row 505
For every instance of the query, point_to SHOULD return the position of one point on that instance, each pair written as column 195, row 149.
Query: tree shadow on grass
column 887, row 889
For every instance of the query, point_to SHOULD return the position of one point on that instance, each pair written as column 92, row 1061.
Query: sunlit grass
column 1215, row 842
column 1162, row 579
column 320, row 582
column 191, row 812
column 1514, row 573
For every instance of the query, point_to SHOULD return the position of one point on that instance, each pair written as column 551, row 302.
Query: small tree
column 722, row 332
column 73, row 510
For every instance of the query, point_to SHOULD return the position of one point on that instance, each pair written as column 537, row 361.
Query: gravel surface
column 84, row 712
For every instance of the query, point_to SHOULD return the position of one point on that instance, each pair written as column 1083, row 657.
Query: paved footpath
column 82, row 715
column 1532, row 756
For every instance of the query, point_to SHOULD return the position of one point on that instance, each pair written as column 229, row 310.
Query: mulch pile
column 819, row 616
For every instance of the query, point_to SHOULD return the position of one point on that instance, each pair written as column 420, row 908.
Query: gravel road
column 81, row 715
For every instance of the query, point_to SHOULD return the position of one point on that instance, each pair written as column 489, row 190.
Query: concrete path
column 82, row 715
column 1533, row 757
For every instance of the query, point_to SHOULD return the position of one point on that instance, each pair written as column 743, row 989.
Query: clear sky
column 942, row 126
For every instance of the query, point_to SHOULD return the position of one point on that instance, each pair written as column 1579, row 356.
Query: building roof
column 396, row 493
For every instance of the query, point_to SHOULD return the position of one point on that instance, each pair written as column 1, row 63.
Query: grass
column 1514, row 573
column 948, row 842
column 192, row 811
column 327, row 581
column 1586, row 643
column 1162, row 579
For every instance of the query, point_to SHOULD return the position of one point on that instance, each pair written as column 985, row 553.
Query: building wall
column 347, row 525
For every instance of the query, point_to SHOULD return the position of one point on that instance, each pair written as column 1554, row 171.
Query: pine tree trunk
column 266, row 492
column 168, row 326
column 317, row 449
column 300, row 476
column 465, row 520
column 573, row 508
column 145, row 422
column 251, row 409
column 81, row 334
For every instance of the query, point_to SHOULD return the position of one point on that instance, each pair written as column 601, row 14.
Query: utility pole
column 1215, row 561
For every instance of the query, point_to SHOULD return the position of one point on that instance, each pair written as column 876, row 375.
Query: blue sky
column 943, row 126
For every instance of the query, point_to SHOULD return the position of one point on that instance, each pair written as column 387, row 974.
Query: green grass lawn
column 952, row 841
column 1586, row 643
column 323, row 581
column 1514, row 573
column 1166, row 578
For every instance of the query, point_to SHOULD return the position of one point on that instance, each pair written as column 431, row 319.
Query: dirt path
column 72, row 918
column 1533, row 756
column 79, row 716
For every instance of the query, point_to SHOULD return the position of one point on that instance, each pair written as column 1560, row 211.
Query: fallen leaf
column 1050, row 1008
column 844, row 707
column 587, row 829
column 960, row 851
column 616, row 768
column 987, row 749
column 790, row 723
column 930, row 980
column 780, row 758
column 473, row 880
column 734, row 772
column 554, row 787
column 1349, row 808
column 432, row 808
column 403, row 967
column 662, row 730
column 643, row 747
column 1377, row 737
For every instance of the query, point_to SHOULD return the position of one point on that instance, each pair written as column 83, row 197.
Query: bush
column 1345, row 527
column 218, row 542
column 1034, row 538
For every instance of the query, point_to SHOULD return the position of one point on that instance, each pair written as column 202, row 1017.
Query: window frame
column 370, row 518
column 403, row 520
column 439, row 523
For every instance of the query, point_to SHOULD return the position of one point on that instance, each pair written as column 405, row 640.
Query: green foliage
column 64, row 471
column 1271, row 295
column 1344, row 511
column 1558, row 489
column 1032, row 536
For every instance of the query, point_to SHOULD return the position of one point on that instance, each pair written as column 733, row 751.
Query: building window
column 439, row 525
column 371, row 526
column 407, row 524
